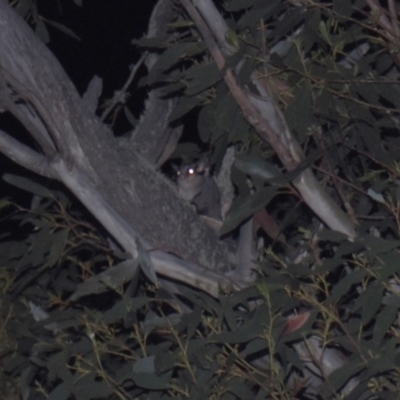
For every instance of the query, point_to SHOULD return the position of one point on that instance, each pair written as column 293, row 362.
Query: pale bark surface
column 118, row 185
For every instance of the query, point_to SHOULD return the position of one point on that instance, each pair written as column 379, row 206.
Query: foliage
column 133, row 340
column 343, row 108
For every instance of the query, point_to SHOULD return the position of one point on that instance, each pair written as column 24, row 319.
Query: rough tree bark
column 117, row 184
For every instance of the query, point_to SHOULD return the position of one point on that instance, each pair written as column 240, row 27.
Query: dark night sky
column 106, row 29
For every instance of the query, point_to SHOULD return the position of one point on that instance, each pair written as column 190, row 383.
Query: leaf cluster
column 329, row 67
column 66, row 338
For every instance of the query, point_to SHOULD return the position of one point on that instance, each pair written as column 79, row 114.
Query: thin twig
column 25, row 156
column 380, row 16
column 393, row 17
column 120, row 94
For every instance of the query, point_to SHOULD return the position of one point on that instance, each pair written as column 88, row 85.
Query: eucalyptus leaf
column 183, row 107
column 169, row 58
column 42, row 31
column 59, row 241
column 225, row 112
column 193, row 321
column 40, row 245
column 28, row 185
column 23, row 7
column 248, row 331
column 62, row 28
column 87, row 386
column 201, row 77
column 145, row 365
column 299, row 112
column 377, row 245
column 165, row 361
column 251, row 165
column 111, row 278
column 343, row 7
column 381, row 364
column 343, row 286
column 205, row 122
column 261, row 168
column 153, row 321
column 146, row 265
column 255, row 14
column 239, row 390
column 60, row 392
column 229, row 314
column 130, row 117
column 58, row 365
column 242, row 208
column 383, row 323
column 338, row 378
column 370, row 300
column 152, row 381
column 237, row 5
column 116, row 313
column 255, row 346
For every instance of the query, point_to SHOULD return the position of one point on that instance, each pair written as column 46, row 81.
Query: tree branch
column 26, row 114
column 118, row 186
column 258, row 110
column 25, row 156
